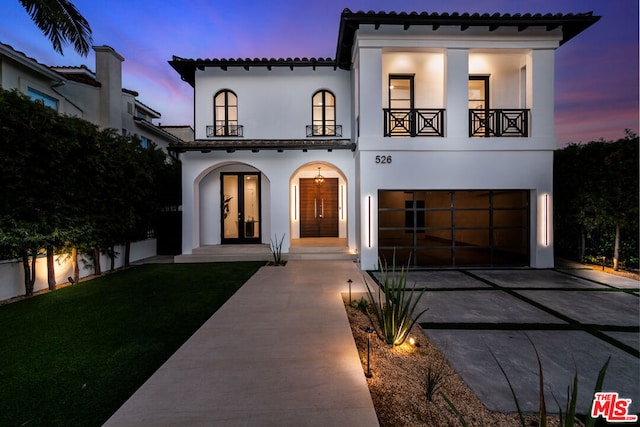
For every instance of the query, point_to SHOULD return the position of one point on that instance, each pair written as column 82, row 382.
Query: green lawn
column 74, row 356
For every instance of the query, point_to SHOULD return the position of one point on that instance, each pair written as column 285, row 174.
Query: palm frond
column 61, row 23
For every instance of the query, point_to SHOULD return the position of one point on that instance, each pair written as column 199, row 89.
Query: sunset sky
column 596, row 72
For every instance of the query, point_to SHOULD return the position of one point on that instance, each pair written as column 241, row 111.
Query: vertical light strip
column 295, row 203
column 342, row 202
column 369, row 221
column 546, row 219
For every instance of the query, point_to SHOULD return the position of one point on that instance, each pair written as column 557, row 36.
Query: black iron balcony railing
column 222, row 128
column 324, row 130
column 414, row 122
column 499, row 123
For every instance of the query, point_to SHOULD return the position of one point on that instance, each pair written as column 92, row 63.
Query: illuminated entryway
column 318, row 203
column 455, row 228
column 318, row 207
column 240, row 207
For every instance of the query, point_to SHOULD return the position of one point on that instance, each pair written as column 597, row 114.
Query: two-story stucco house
column 431, row 135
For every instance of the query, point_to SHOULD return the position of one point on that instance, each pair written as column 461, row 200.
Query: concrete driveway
column 575, row 318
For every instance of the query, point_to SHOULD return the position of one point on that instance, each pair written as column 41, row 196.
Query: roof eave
column 267, row 145
column 572, row 24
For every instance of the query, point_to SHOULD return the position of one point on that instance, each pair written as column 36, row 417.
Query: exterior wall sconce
column 368, row 331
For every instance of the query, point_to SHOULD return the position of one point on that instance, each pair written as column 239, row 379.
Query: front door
column 240, row 207
column 318, row 208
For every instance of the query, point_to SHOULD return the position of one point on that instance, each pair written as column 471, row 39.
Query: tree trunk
column 96, row 261
column 51, row 271
column 74, row 264
column 583, row 244
column 616, row 248
column 127, row 253
column 28, row 285
column 112, row 258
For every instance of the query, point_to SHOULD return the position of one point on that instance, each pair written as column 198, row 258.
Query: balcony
column 499, row 123
column 324, row 130
column 412, row 122
column 224, row 129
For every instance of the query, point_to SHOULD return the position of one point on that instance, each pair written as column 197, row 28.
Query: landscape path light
column 349, row 282
column 368, row 331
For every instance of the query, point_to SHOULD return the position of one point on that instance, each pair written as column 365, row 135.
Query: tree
column 25, row 128
column 596, row 199
column 66, row 185
column 61, row 22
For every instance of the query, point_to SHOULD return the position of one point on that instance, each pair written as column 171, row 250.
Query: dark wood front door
column 318, row 208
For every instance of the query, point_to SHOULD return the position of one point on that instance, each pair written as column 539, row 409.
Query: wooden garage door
column 318, row 208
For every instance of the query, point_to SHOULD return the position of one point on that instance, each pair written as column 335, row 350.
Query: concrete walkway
column 279, row 353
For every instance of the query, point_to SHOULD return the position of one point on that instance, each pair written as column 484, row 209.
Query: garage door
column 454, row 228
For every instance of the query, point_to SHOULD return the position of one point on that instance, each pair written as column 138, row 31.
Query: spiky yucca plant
column 276, row 250
column 392, row 312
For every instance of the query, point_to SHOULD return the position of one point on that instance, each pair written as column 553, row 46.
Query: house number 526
column 383, row 159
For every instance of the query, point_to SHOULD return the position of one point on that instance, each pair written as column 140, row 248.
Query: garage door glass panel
column 456, row 228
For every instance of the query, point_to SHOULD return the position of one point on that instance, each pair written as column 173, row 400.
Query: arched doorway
column 319, row 206
column 318, row 202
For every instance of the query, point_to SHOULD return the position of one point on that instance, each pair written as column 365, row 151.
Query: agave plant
column 276, row 250
column 392, row 311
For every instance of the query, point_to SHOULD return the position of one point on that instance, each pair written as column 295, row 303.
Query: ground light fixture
column 368, row 331
column 349, row 282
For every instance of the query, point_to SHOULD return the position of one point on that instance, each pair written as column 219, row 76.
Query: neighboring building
column 431, row 135
column 97, row 97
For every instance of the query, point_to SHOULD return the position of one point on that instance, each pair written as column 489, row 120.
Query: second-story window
column 225, row 114
column 480, row 124
column 324, row 114
column 401, row 107
column 45, row 99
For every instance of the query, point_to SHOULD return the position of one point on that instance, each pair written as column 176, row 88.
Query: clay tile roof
column 186, row 67
column 572, row 24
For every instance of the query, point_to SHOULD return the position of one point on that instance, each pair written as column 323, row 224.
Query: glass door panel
column 230, row 207
column 251, row 207
column 240, row 209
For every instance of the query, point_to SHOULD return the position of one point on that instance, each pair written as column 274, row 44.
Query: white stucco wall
column 12, row 274
column 272, row 104
column 463, row 170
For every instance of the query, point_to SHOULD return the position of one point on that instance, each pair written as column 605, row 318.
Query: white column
column 457, row 93
column 190, row 209
column 370, row 92
column 540, row 95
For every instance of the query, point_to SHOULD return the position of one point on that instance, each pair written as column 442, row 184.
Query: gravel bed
column 397, row 385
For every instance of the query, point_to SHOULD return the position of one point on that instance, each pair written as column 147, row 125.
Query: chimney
column 109, row 74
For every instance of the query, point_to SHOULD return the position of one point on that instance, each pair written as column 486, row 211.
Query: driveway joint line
column 579, row 326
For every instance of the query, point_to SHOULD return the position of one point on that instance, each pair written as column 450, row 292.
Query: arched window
column 323, row 120
column 225, row 114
